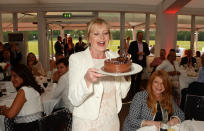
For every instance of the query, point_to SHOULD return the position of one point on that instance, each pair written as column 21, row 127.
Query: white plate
column 135, row 68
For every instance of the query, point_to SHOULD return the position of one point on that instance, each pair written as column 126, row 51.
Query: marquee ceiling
column 108, row 9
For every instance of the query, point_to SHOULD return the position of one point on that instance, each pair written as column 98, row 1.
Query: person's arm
column 78, row 89
column 16, row 105
column 61, row 85
column 146, row 51
column 178, row 115
column 134, row 118
column 162, row 66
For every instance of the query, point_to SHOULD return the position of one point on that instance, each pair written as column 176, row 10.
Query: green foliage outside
column 113, row 45
column 183, row 38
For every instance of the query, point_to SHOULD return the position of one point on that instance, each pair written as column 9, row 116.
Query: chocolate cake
column 117, row 65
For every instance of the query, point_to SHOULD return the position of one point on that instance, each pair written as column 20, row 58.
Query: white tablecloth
column 46, row 97
column 187, row 125
column 185, row 80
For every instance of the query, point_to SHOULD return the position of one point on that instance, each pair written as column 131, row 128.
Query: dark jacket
column 140, row 111
column 184, row 60
column 59, row 48
column 133, row 50
column 80, row 47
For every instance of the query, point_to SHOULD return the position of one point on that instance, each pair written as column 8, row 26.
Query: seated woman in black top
column 147, row 106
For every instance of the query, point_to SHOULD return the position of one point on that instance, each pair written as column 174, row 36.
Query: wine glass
column 1, row 93
column 165, row 116
column 48, row 80
column 45, row 84
column 196, row 67
column 164, row 126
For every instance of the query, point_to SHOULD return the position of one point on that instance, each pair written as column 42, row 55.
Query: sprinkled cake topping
column 118, row 60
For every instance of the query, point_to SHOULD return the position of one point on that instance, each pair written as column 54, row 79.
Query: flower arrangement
column 4, row 71
column 4, row 66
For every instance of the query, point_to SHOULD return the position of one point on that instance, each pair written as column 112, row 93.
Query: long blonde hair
column 166, row 95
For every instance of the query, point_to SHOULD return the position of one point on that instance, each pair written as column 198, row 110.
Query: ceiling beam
column 112, row 7
column 191, row 11
column 175, row 6
column 166, row 4
column 72, row 16
column 67, row 22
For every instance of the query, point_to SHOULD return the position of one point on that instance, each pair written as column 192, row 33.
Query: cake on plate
column 117, row 65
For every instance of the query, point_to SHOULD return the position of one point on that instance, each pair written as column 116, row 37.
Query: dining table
column 186, row 77
column 187, row 125
column 8, row 97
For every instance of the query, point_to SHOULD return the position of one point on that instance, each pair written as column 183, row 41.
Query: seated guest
column 7, row 68
column 34, row 65
column 147, row 106
column 27, row 108
column 158, row 60
column 196, row 87
column 16, row 55
column 80, row 46
column 62, row 67
column 188, row 59
column 198, row 59
column 53, row 66
column 1, row 51
column 201, row 71
column 171, row 66
column 61, row 92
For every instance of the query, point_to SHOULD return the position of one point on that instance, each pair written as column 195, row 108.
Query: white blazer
column 86, row 100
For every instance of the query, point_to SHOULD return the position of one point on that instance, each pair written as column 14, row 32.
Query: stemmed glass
column 45, row 84
column 165, row 116
column 164, row 126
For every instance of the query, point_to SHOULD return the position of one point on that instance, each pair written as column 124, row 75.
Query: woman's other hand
column 173, row 121
column 92, row 76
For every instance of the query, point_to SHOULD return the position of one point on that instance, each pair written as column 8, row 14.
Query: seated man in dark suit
column 188, row 59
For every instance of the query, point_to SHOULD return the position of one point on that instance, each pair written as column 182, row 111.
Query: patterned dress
column 108, row 118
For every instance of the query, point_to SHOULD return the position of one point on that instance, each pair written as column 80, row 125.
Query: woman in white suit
column 96, row 98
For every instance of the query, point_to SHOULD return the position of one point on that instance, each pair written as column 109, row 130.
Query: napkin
column 148, row 128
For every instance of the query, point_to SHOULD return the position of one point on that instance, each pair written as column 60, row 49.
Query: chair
column 9, row 124
column 195, row 88
column 194, row 107
column 60, row 120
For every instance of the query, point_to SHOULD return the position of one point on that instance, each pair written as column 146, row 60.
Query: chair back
column 194, row 107
column 9, row 124
column 60, row 120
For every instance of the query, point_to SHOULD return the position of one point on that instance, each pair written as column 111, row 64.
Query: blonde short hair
column 96, row 21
